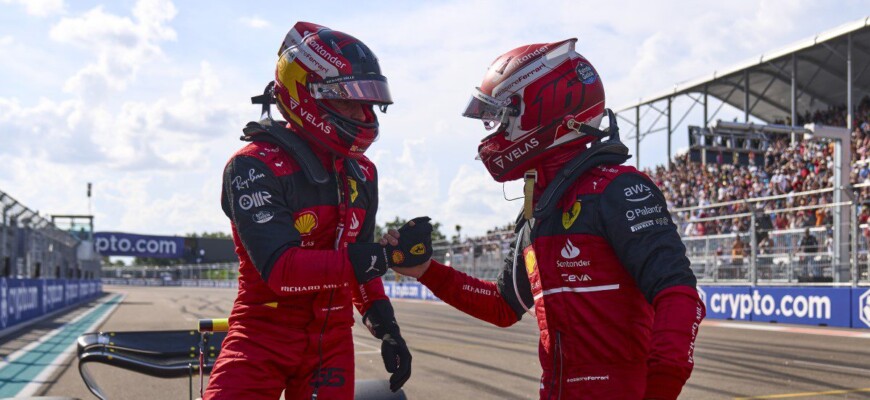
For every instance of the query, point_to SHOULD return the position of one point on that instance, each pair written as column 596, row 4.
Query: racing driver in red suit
column 597, row 258
column 302, row 200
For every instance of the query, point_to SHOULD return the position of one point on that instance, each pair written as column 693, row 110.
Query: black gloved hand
column 381, row 321
column 371, row 260
column 415, row 243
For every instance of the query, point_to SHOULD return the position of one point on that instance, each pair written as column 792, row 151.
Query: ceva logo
column 864, row 308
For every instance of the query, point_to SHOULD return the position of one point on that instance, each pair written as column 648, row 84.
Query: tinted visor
column 367, row 88
column 494, row 113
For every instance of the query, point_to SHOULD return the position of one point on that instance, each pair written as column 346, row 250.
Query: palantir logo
column 864, row 308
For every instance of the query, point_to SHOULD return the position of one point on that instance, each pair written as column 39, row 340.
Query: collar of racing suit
column 557, row 174
column 315, row 161
column 547, row 170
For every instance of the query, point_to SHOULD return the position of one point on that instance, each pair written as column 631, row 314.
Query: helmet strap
column 531, row 177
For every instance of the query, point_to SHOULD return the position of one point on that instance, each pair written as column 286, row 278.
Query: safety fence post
column 853, row 211
column 753, row 246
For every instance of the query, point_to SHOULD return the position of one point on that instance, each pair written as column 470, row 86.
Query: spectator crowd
column 788, row 168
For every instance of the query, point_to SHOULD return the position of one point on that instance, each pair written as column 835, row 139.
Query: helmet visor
column 493, row 112
column 365, row 88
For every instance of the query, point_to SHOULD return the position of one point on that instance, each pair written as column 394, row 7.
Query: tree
column 210, row 235
column 398, row 222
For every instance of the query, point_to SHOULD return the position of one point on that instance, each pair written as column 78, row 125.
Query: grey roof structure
column 828, row 70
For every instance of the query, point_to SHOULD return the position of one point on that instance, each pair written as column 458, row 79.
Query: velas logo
column 314, row 121
column 569, row 216
column 351, row 184
column 569, row 251
column 418, row 249
column 305, row 222
column 518, row 152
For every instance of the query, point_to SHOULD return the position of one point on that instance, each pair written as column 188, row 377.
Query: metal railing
column 31, row 246
column 766, row 257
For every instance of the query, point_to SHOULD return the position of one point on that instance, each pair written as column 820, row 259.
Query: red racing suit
column 293, row 316
column 608, row 278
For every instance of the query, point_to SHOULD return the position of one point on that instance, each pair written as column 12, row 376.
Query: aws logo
column 305, row 222
column 570, row 215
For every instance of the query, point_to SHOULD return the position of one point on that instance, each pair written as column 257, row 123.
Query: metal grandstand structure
column 32, row 246
column 829, row 69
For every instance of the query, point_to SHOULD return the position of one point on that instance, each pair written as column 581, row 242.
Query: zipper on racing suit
column 340, row 187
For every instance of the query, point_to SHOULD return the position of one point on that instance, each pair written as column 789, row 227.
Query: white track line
column 858, row 334
column 864, row 371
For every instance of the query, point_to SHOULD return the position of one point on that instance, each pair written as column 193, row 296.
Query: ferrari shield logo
column 353, row 192
column 569, row 216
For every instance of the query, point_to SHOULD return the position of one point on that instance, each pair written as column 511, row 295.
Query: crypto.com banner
column 827, row 306
column 22, row 300
column 129, row 244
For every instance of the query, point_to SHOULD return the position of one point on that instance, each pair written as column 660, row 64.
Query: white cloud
column 40, row 8
column 141, row 155
column 151, row 123
column 255, row 22
column 122, row 45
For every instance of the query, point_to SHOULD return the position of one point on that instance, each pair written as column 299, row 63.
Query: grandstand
column 32, row 246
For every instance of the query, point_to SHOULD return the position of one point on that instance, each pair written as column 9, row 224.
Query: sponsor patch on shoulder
column 263, row 216
column 642, row 225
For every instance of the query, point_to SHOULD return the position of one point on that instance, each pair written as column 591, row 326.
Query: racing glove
column 381, row 321
column 371, row 260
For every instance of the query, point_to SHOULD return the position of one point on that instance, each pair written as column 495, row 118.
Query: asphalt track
column 458, row 357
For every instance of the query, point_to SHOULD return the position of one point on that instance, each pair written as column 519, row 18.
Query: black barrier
column 172, row 354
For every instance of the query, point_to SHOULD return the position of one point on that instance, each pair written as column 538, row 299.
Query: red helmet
column 535, row 98
column 317, row 64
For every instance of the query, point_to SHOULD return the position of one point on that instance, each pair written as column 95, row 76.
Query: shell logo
column 531, row 259
column 305, row 222
column 398, row 257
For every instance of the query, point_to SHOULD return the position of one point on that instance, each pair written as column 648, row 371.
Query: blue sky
column 147, row 98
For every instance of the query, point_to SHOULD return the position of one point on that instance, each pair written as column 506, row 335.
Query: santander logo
column 570, row 251
column 354, row 223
